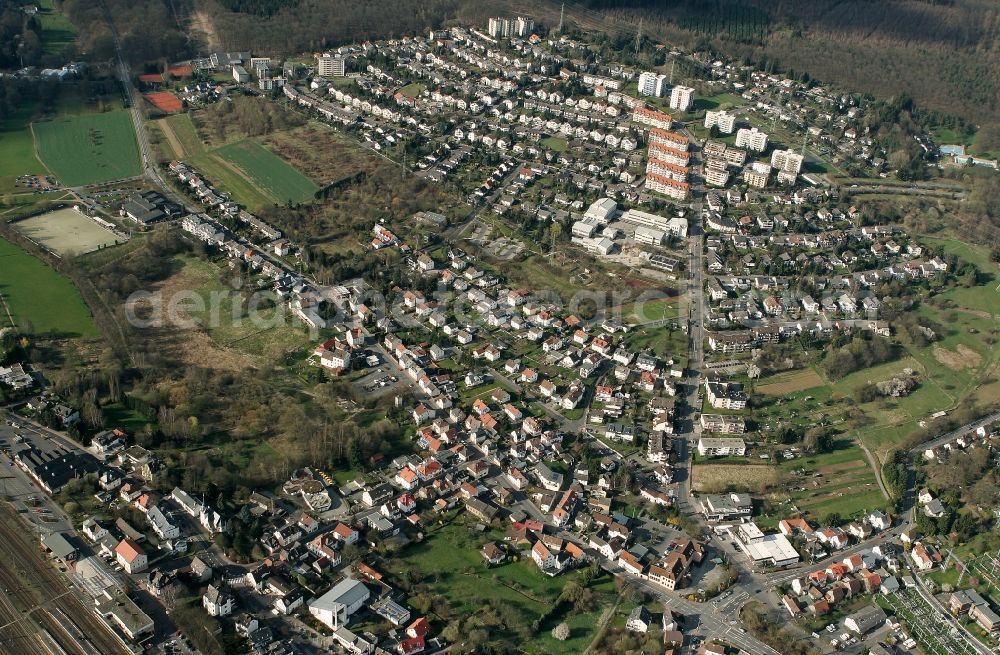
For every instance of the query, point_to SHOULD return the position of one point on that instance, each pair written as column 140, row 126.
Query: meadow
column 448, row 563
column 88, row 148
column 35, row 293
column 254, row 175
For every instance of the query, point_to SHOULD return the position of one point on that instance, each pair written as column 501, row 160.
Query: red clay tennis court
column 164, row 101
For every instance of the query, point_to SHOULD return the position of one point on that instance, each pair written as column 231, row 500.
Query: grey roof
column 346, row 592
column 57, row 543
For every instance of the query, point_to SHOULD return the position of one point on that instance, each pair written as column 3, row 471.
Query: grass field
column 841, row 481
column 412, row 90
column 66, row 231
column 57, row 30
column 449, row 563
column 16, row 144
column 35, row 293
column 790, row 382
column 652, row 310
column 231, row 328
column 254, row 175
column 181, row 135
column 554, row 143
column 89, row 148
column 721, row 100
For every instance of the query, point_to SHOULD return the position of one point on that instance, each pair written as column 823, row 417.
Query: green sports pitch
column 89, row 148
column 33, row 292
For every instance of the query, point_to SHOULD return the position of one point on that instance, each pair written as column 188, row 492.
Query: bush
column 561, row 631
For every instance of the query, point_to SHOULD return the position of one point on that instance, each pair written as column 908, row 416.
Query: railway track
column 38, row 612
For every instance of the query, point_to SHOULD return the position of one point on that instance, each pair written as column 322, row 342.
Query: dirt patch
column 191, row 345
column 172, row 140
column 202, row 23
column 640, row 283
column 165, row 101
column 843, row 466
column 790, row 383
column 320, row 154
column 714, row 478
column 961, row 358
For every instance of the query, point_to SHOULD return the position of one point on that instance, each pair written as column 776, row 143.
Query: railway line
column 39, row 613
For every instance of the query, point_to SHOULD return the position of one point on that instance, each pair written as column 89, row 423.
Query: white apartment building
column 659, row 137
column 660, row 167
column 757, row 174
column 668, row 186
column 787, row 160
column 721, row 447
column 752, row 139
column 651, row 84
column 682, row 98
column 499, row 27
column 725, row 121
column 330, row 65
column 652, row 118
column 716, row 177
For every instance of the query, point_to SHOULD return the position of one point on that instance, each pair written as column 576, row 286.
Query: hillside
column 945, row 54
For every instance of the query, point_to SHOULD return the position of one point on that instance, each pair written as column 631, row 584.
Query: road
column 149, row 168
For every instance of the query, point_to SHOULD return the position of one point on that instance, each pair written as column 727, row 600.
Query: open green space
column 16, row 144
column 652, row 310
column 448, row 563
column 183, row 131
column 554, row 143
column 37, row 294
column 268, row 332
column 254, row 175
column 719, row 101
column 841, row 482
column 947, row 136
column 89, row 148
column 57, row 30
column 412, row 90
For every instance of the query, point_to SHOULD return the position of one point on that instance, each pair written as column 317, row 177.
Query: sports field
column 88, row 148
column 254, row 175
column 33, row 292
column 165, row 101
column 67, row 231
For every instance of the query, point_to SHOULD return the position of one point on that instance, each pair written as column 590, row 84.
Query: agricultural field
column 16, row 144
column 66, row 230
column 320, row 153
column 254, row 175
column 713, row 478
column 36, row 294
column 88, row 148
column 178, row 137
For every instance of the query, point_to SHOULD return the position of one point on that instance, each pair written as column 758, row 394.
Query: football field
column 88, row 148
